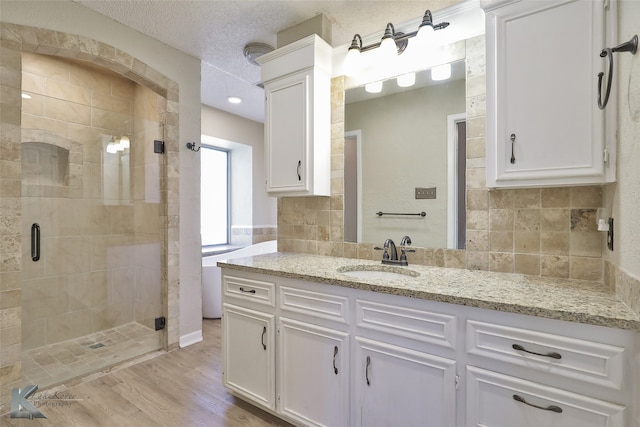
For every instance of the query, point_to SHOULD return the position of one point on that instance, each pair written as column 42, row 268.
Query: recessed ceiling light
column 234, row 99
column 26, row 96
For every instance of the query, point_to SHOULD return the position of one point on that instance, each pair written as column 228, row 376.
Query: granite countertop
column 563, row 299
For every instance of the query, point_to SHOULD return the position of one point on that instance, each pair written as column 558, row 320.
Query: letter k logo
column 21, row 407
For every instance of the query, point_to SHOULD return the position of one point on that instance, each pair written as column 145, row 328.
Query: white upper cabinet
column 297, row 85
column 544, row 127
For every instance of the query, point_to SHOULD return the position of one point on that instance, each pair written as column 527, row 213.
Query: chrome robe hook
column 630, row 46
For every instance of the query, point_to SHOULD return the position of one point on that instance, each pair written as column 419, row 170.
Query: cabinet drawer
column 258, row 291
column 316, row 304
column 419, row 325
column 496, row 400
column 589, row 361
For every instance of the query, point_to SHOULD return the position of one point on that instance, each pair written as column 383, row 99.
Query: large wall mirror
column 405, row 156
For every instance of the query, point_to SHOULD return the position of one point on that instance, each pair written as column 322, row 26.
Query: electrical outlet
column 425, row 193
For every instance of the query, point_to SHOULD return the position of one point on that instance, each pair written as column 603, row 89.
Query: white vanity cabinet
column 297, row 86
column 544, row 127
column 317, row 354
column 550, row 373
column 248, row 339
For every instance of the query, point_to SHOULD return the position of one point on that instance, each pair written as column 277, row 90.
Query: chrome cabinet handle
column 335, row 353
column 513, row 140
column 250, row 291
column 264, row 332
column 552, row 408
column 366, row 370
column 298, row 170
column 35, row 241
column 552, row 355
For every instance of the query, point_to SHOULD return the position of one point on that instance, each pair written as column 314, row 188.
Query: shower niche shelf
column 44, row 164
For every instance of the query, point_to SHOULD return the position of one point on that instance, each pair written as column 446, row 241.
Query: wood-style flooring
column 180, row 388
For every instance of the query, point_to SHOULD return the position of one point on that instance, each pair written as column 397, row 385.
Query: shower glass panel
column 91, row 220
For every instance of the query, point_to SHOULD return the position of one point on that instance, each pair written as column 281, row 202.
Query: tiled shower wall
column 548, row 232
column 100, row 263
column 14, row 40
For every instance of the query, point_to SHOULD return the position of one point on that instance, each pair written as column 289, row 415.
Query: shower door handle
column 35, row 242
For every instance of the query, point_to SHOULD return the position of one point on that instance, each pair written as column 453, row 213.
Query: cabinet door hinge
column 457, row 381
column 605, row 155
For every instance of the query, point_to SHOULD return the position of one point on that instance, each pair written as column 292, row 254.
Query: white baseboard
column 189, row 339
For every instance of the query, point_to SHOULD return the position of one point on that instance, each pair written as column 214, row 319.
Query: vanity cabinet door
column 313, row 374
column 543, row 123
column 287, row 139
column 249, row 354
column 394, row 383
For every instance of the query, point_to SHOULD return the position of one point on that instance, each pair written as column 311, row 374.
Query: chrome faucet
column 390, row 254
column 389, row 258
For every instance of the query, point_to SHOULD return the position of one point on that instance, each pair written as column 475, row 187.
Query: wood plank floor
column 180, row 388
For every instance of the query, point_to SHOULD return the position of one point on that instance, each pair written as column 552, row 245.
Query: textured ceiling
column 217, row 31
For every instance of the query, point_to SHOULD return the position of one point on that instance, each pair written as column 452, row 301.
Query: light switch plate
column 425, row 193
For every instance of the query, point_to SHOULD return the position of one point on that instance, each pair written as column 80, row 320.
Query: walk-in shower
column 92, row 219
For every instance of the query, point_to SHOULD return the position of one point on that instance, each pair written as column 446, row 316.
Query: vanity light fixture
column 234, row 99
column 352, row 59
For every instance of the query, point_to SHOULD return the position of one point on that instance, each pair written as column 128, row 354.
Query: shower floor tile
column 58, row 363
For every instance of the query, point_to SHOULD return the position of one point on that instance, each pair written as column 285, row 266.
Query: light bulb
column 406, row 80
column 441, row 72
column 124, row 142
column 375, row 87
column 425, row 35
column 352, row 62
column 112, row 147
column 388, row 49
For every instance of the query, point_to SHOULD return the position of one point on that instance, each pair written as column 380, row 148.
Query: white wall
column 69, row 17
column 223, row 125
column 624, row 196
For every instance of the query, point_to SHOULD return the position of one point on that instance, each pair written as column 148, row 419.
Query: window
column 214, row 196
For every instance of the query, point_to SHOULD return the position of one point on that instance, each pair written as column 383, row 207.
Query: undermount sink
column 377, row 272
